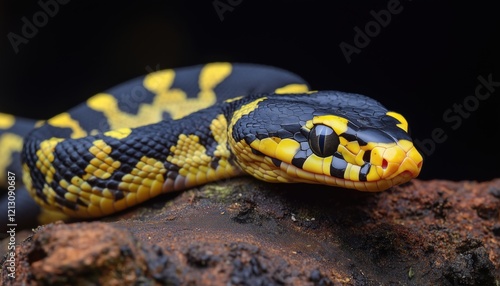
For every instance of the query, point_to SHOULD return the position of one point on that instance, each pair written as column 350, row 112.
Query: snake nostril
column 419, row 165
column 384, row 164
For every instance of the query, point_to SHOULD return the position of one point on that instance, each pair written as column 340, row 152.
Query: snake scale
column 178, row 128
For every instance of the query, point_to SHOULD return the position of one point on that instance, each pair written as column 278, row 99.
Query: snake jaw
column 288, row 173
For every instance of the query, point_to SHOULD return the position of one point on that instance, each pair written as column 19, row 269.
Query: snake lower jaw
column 403, row 177
column 288, row 173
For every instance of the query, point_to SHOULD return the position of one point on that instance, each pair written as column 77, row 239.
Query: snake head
column 329, row 137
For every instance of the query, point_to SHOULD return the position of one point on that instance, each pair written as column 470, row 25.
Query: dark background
column 426, row 60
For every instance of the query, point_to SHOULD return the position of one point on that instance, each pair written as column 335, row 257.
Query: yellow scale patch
column 244, row 110
column 246, row 159
column 64, row 120
column 173, row 101
column 234, row 99
column 262, row 167
column 102, row 165
column 337, row 123
column 45, row 155
column 144, row 182
column 10, row 143
column 119, row 133
column 194, row 163
column 404, row 124
column 100, row 202
column 292, row 88
column 218, row 128
column 6, row 121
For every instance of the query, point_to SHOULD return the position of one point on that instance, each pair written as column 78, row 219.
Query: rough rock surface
column 245, row 232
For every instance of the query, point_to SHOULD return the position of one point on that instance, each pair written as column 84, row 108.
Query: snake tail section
column 105, row 173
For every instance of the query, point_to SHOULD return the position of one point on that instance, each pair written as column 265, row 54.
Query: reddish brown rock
column 244, row 232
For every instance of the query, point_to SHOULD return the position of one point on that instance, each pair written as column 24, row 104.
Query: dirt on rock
column 245, row 232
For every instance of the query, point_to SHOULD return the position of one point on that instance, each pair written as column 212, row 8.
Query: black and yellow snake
column 175, row 129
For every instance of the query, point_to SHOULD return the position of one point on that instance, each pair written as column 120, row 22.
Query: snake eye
column 323, row 140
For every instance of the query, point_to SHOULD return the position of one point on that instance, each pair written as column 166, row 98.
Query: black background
column 426, row 59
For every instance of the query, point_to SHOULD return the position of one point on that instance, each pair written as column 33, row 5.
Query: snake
column 179, row 128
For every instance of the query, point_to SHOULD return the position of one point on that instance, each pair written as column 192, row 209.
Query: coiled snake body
column 175, row 129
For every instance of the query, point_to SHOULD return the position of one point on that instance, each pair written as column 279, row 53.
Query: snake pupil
column 323, row 140
column 367, row 156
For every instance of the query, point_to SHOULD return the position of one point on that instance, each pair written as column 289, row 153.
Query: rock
column 245, row 232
